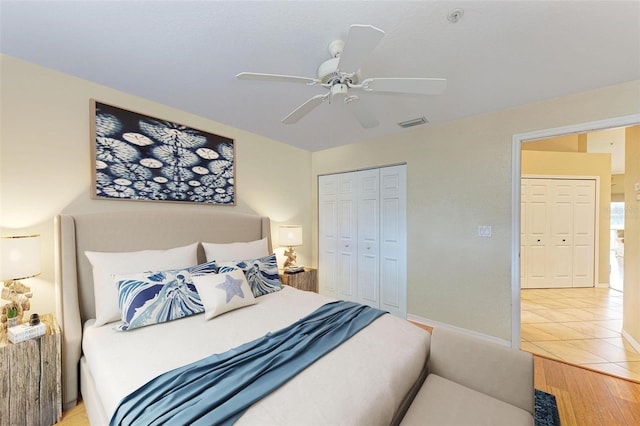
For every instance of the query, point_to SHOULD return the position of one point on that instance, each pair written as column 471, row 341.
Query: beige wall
column 631, row 307
column 459, row 177
column 579, row 164
column 569, row 143
column 45, row 162
column 617, row 187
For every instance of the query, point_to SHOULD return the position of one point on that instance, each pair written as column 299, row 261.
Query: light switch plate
column 484, row 231
column 636, row 186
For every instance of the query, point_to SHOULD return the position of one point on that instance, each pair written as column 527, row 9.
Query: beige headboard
column 123, row 232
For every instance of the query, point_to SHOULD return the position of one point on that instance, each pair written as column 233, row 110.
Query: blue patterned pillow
column 261, row 273
column 155, row 297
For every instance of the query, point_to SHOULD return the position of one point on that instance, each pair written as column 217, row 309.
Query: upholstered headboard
column 124, row 232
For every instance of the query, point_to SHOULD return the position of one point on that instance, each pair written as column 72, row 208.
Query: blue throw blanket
column 220, row 388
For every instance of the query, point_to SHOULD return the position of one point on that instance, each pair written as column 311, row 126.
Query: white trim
column 516, row 148
column 633, row 342
column 482, row 336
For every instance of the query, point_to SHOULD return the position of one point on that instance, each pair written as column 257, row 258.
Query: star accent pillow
column 223, row 292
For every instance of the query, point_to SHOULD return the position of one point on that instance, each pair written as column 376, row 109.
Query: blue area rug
column 546, row 409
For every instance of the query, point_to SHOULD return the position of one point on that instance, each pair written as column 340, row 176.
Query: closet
column 557, row 232
column 362, row 237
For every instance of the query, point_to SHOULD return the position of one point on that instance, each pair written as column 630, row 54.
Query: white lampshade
column 290, row 235
column 19, row 257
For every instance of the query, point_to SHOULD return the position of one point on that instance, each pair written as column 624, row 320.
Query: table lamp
column 290, row 236
column 19, row 259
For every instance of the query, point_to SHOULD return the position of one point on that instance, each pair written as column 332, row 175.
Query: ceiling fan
column 341, row 75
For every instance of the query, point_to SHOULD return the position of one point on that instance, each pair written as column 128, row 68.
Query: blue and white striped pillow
column 261, row 273
column 155, row 297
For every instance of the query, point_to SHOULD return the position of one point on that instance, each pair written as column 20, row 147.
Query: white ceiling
column 185, row 54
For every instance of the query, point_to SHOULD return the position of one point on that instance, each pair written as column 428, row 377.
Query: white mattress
column 361, row 382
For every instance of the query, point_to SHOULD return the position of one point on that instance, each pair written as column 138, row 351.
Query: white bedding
column 361, row 382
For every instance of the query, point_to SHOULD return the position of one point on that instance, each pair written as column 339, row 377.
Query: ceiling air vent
column 415, row 122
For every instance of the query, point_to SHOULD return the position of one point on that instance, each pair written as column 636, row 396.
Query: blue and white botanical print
column 142, row 158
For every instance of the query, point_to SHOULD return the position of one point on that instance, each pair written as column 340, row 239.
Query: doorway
column 519, row 145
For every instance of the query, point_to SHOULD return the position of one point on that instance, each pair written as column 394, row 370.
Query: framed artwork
column 137, row 157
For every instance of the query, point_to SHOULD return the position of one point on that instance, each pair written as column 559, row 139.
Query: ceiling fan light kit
column 341, row 74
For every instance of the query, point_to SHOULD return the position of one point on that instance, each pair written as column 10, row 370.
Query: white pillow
column 235, row 251
column 224, row 292
column 107, row 265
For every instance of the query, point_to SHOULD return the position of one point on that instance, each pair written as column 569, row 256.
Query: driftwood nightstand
column 306, row 280
column 30, row 378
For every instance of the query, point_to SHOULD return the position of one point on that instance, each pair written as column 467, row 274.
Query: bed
column 369, row 379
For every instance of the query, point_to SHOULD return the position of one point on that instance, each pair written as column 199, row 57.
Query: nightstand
column 306, row 280
column 30, row 378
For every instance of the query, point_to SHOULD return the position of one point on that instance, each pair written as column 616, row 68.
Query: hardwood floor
column 581, row 326
column 584, row 397
column 588, row 398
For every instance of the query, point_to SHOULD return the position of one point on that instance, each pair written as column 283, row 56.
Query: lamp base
column 18, row 295
column 291, row 256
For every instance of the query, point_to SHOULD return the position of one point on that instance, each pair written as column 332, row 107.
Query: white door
column 537, row 233
column 393, row 237
column 557, row 233
column 560, row 254
column 362, row 237
column 328, row 234
column 347, row 236
column 368, row 237
column 584, row 221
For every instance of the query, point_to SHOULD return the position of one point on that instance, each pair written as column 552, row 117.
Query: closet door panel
column 561, row 248
column 347, row 236
column 393, row 248
column 328, row 235
column 584, row 234
column 538, row 233
column 368, row 237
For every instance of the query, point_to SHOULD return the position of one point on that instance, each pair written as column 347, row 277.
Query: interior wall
column 45, row 164
column 617, row 187
column 631, row 320
column 579, row 164
column 458, row 178
column 568, row 143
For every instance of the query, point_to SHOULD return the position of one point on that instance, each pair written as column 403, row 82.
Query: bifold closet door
column 368, row 277
column 362, row 237
column 557, row 233
column 338, row 240
column 393, row 240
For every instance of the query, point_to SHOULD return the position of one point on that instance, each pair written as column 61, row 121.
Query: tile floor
column 581, row 326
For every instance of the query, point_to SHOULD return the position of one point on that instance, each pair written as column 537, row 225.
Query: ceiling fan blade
column 304, row 109
column 420, row 86
column 276, row 77
column 362, row 113
column 361, row 41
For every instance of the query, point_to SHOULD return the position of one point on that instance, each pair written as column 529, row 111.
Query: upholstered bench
column 473, row 382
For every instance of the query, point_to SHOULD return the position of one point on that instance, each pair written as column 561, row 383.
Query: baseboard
column 482, row 336
column 633, row 342
column 602, row 285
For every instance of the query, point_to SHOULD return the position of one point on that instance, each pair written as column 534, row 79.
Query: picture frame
column 143, row 158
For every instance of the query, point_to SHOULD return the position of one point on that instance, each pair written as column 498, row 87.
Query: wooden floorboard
column 586, row 397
